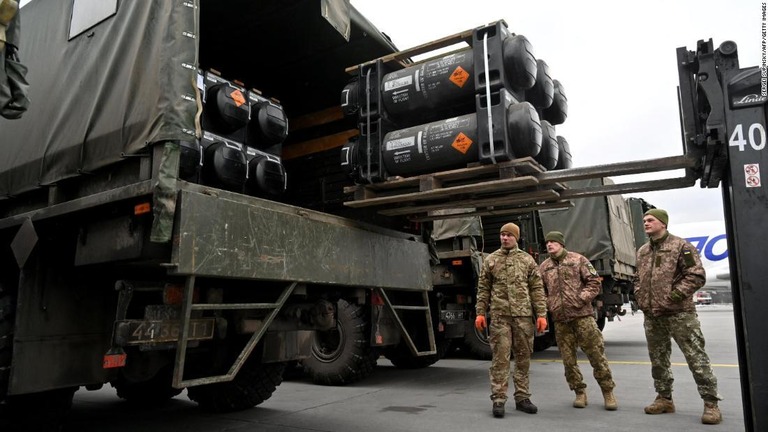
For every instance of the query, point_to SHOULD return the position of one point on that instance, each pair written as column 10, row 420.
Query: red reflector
column 114, row 361
column 173, row 294
column 142, row 208
column 376, row 298
column 461, row 299
column 457, row 262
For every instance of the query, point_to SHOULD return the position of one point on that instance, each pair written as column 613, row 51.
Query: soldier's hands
column 541, row 324
column 676, row 296
column 480, row 322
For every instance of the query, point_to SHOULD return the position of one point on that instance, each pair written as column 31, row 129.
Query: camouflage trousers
column 583, row 333
column 685, row 329
column 510, row 335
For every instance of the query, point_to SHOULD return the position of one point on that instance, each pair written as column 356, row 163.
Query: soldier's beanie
column 659, row 214
column 511, row 228
column 555, row 236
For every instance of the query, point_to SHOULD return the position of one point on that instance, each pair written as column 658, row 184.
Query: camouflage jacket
column 571, row 283
column 665, row 265
column 510, row 282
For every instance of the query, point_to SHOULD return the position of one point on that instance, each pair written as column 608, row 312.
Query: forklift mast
column 723, row 116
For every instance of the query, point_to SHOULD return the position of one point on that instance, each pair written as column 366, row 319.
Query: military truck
column 149, row 235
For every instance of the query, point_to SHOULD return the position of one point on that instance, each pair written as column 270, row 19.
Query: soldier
column 669, row 271
column 510, row 282
column 572, row 283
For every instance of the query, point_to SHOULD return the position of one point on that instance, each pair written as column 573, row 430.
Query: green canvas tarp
column 600, row 228
column 106, row 93
column 129, row 81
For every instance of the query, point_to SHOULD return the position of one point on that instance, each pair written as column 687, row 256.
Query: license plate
column 147, row 331
column 453, row 315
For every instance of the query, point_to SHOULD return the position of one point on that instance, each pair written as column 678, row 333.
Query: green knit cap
column 555, row 236
column 659, row 214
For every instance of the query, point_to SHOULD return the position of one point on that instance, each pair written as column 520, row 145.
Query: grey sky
column 616, row 60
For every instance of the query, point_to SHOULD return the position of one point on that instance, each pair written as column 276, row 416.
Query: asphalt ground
column 453, row 395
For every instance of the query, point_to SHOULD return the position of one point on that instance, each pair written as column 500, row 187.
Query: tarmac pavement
column 453, row 395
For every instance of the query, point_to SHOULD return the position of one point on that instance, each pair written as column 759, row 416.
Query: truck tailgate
column 218, row 233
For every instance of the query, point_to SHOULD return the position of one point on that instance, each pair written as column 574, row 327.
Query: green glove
column 676, row 296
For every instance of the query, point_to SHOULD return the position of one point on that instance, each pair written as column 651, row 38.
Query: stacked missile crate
column 477, row 115
column 240, row 147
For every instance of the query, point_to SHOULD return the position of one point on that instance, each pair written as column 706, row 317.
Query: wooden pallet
column 506, row 186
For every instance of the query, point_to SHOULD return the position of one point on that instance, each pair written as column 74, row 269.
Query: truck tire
column 402, row 358
column 476, row 341
column 601, row 321
column 342, row 355
column 152, row 392
column 254, row 384
column 543, row 342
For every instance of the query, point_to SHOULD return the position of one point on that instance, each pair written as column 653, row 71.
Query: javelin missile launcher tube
column 450, row 143
column 447, row 82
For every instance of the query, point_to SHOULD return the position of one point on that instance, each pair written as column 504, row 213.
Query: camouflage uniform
column 572, row 283
column 510, row 282
column 664, row 265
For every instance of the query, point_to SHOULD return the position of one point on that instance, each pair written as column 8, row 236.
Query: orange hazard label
column 459, row 76
column 462, row 143
column 238, row 97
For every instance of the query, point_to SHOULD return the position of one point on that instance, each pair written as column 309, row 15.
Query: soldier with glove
column 510, row 284
column 669, row 271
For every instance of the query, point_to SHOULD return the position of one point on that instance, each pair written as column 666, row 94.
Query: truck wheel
column 342, row 355
column 152, row 392
column 254, row 384
column 476, row 341
column 402, row 358
column 601, row 321
column 543, row 342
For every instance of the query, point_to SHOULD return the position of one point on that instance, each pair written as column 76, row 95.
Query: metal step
column 405, row 332
column 186, row 313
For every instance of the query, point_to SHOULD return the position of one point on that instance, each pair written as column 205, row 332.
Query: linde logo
column 750, row 99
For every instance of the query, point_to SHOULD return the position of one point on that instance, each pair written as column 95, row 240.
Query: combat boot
column 498, row 409
column 610, row 401
column 581, row 399
column 526, row 406
column 711, row 413
column 660, row 406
